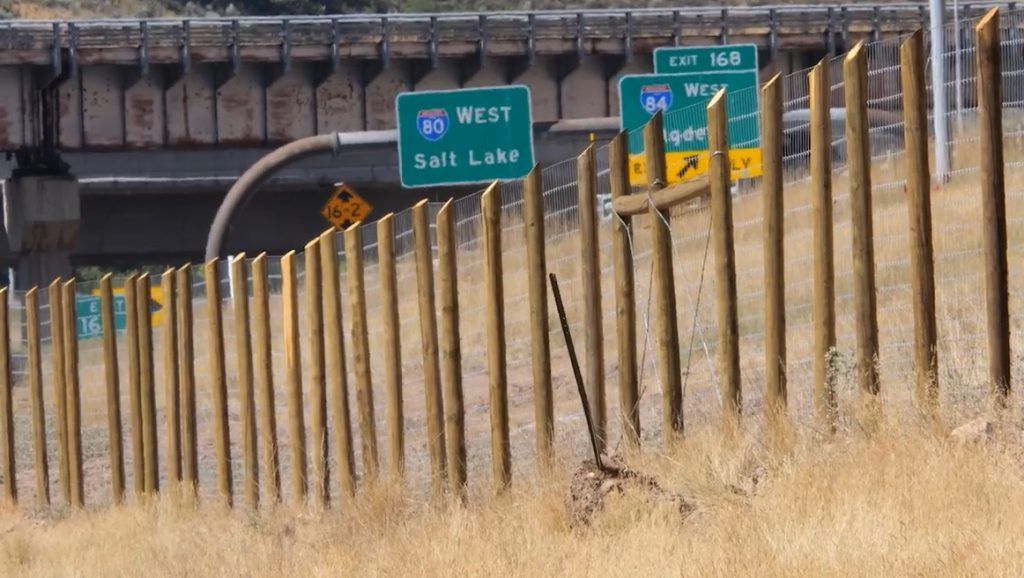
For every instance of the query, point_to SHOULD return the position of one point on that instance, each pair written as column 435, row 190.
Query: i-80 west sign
column 467, row 136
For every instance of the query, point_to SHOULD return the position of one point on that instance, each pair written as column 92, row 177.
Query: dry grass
column 901, row 503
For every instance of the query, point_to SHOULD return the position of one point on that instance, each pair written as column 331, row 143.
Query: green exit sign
column 89, row 316
column 466, row 136
column 705, row 59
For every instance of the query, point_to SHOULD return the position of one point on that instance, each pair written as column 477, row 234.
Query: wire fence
column 958, row 269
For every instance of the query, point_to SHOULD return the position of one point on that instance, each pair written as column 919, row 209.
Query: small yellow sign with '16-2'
column 682, row 166
column 345, row 208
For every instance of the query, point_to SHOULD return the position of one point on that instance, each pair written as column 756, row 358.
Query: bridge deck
column 447, row 35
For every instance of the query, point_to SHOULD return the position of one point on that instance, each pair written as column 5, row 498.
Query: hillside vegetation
column 42, row 9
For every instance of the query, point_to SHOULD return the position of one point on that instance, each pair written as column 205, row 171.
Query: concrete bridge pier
column 42, row 213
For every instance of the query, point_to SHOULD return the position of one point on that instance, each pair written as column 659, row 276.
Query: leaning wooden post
column 264, row 376
column 247, row 398
column 428, row 340
column 625, row 293
column 187, row 379
column 590, row 271
column 172, row 399
column 361, row 350
column 147, row 387
column 666, row 331
column 993, row 200
column 7, row 456
column 855, row 77
column 116, row 445
column 451, row 350
column 501, row 455
column 922, row 279
column 337, row 374
column 318, row 454
column 35, row 375
column 73, row 394
column 823, row 307
column 540, row 342
column 725, row 258
column 60, row 399
column 293, row 373
column 134, row 385
column 218, row 382
column 774, row 248
column 391, row 346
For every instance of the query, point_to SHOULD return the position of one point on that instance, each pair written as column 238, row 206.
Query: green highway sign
column 466, row 136
column 688, row 77
column 89, row 315
column 642, row 95
column 705, row 59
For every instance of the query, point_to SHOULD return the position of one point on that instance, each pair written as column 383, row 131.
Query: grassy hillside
column 903, row 503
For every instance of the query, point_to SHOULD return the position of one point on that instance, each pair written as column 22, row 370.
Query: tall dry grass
column 903, row 502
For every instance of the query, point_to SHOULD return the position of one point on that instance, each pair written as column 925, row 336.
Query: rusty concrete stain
column 290, row 112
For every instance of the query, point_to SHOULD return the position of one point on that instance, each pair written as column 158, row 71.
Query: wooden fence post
column 855, row 77
column 625, row 293
column 451, row 350
column 172, row 400
column 993, row 198
column 337, row 374
column 725, row 258
column 922, row 279
column 116, row 445
column 218, row 382
column 60, row 399
column 540, row 341
column 318, row 453
column 391, row 346
column 590, row 271
column 354, row 274
column 187, row 377
column 73, row 393
column 134, row 385
column 823, row 288
column 7, row 456
column 264, row 374
column 147, row 388
column 293, row 371
column 501, row 455
column 243, row 352
column 428, row 340
column 35, row 374
column 664, row 290
column 774, row 248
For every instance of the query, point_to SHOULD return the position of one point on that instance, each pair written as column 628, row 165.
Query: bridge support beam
column 543, row 84
column 584, row 90
column 340, row 100
column 381, row 91
column 444, row 77
column 41, row 218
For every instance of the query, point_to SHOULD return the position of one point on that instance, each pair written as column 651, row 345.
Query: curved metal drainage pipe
column 262, row 170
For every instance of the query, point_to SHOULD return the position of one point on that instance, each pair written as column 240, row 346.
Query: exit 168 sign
column 466, row 136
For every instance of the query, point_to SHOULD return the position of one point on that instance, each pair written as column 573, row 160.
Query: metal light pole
column 959, row 73
column 940, row 106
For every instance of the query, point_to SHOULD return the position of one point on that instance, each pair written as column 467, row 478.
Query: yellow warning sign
column 345, row 208
column 156, row 305
column 681, row 166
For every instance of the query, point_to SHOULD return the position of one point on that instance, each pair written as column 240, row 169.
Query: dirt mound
column 592, row 484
